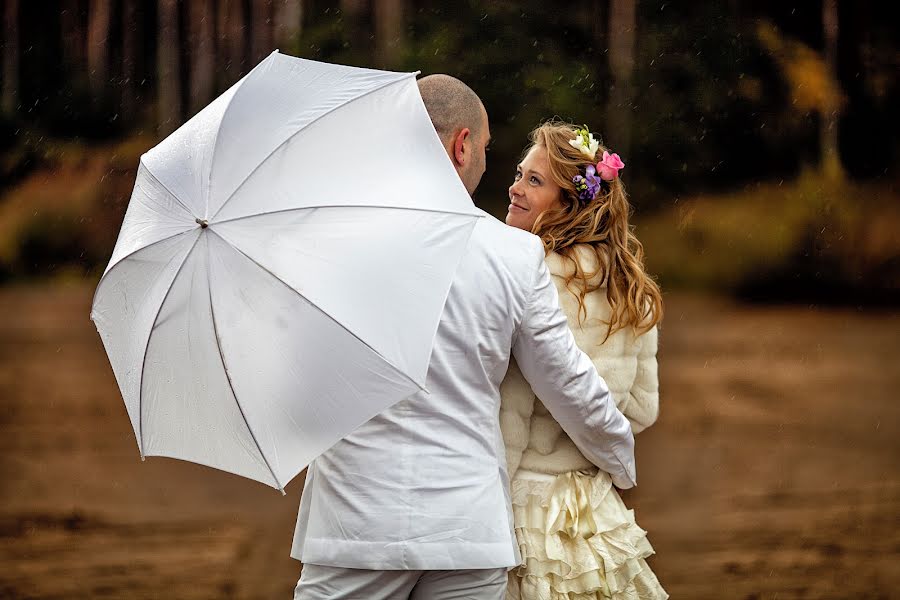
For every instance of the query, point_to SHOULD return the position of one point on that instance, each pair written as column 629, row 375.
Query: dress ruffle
column 578, row 542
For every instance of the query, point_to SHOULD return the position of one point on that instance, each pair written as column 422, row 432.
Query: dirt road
column 772, row 472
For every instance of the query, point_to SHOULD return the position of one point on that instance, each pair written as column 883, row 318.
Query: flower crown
column 607, row 169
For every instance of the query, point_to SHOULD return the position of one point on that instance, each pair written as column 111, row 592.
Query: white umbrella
column 282, row 267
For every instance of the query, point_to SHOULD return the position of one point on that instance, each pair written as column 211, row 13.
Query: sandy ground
column 772, row 472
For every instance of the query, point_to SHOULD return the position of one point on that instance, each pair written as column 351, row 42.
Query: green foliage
column 709, row 108
column 527, row 62
column 708, row 96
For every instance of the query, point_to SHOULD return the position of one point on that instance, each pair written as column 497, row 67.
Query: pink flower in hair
column 609, row 166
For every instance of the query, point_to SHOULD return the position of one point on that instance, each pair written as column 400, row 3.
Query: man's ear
column 459, row 147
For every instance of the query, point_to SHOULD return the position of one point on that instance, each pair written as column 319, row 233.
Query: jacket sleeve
column 565, row 380
column 643, row 404
column 516, row 408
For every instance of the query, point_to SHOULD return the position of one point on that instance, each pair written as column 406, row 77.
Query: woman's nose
column 514, row 189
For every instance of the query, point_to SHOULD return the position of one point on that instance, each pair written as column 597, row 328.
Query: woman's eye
column 535, row 180
column 518, row 175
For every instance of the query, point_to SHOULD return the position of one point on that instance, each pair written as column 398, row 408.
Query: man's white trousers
column 318, row 582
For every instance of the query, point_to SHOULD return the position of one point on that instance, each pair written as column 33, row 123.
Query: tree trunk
column 168, row 79
column 828, row 129
column 9, row 96
column 131, row 50
column 262, row 28
column 99, row 15
column 232, row 40
column 222, row 18
column 622, row 17
column 288, row 24
column 74, row 41
column 202, row 54
column 354, row 16
column 388, row 33
column 596, row 16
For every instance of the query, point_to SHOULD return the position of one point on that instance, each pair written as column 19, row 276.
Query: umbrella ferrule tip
column 203, row 223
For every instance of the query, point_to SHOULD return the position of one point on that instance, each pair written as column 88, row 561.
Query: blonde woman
column 578, row 540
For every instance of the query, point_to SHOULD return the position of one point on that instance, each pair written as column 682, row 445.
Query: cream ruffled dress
column 578, row 542
column 577, row 538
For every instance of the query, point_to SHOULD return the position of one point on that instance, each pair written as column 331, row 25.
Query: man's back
column 423, row 485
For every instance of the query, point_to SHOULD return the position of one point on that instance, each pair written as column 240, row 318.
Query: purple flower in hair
column 588, row 185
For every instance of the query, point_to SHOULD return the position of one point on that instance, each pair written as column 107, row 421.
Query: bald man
column 460, row 120
column 415, row 503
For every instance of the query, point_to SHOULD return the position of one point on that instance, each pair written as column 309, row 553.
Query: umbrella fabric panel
column 181, row 163
column 153, row 214
column 335, row 258
column 350, row 157
column 125, row 308
column 296, row 93
column 302, row 380
column 188, row 409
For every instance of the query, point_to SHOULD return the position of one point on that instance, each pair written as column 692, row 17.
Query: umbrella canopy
column 282, row 268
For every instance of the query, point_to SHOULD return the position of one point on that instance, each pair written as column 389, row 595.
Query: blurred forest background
column 761, row 137
column 762, row 150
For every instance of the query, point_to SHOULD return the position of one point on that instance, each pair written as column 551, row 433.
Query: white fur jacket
column 534, row 440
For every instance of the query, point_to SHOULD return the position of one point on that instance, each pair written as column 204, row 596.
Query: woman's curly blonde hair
column 601, row 223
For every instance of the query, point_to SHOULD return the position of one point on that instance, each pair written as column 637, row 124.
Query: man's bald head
column 461, row 122
column 451, row 104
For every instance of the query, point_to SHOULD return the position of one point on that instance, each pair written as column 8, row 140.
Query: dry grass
column 64, row 218
column 723, row 241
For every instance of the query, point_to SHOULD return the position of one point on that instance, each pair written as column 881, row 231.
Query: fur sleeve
column 643, row 406
column 516, row 408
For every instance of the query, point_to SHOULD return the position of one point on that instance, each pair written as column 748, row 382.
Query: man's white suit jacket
column 424, row 484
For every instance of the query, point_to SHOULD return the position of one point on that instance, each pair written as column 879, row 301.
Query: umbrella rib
column 231, row 385
column 147, row 347
column 299, row 208
column 401, row 79
column 132, row 253
column 321, row 310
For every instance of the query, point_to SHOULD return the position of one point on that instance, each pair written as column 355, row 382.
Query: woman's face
column 532, row 191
